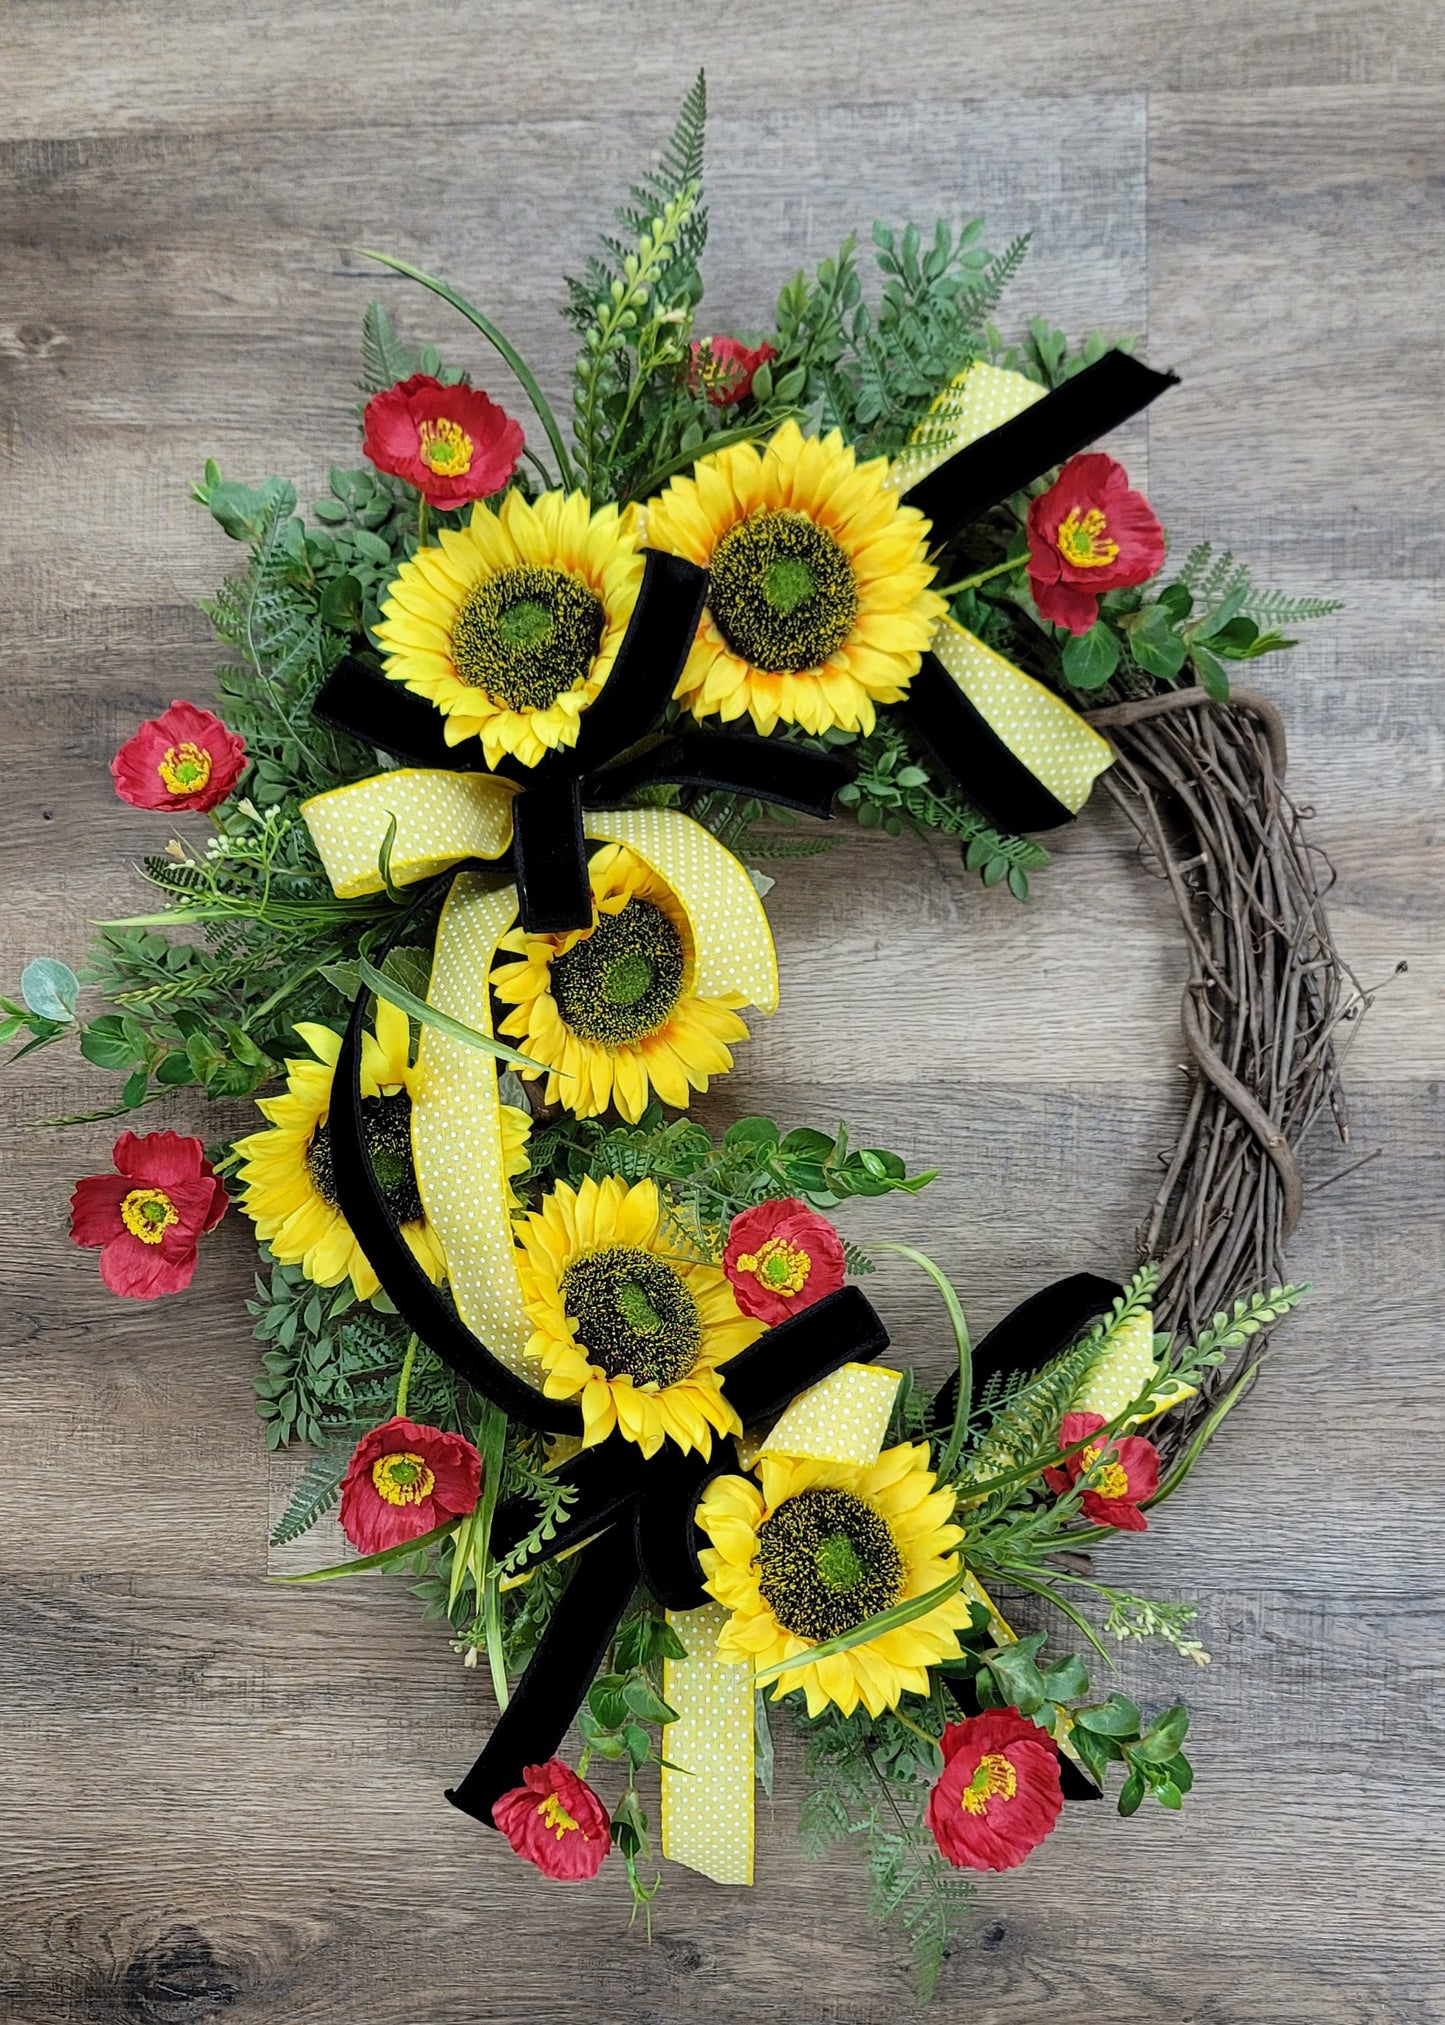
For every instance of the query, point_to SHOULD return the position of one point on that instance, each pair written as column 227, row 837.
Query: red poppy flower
column 1129, row 1473
column 723, row 368
column 556, row 1821
column 451, row 443
column 147, row 1217
column 183, row 759
column 780, row 1257
column 1089, row 534
column 404, row 1480
column 998, row 1794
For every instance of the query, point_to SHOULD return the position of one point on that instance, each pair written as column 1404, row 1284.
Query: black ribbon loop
column 969, row 484
column 549, row 853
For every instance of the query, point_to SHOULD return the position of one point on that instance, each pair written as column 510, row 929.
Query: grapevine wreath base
column 505, row 722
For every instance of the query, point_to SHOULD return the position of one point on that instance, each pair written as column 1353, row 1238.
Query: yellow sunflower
column 623, row 1321
column 290, row 1184
column 511, row 625
column 818, row 604
column 821, row 1547
column 611, row 1009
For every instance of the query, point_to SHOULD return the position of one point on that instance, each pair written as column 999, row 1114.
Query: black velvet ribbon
column 549, row 854
column 964, row 488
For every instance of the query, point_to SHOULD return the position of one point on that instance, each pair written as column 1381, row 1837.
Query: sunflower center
column 526, row 636
column 185, row 769
column 148, row 1214
column 635, row 1317
column 403, row 1479
column 386, row 1124
column 994, row 1779
column 623, row 981
column 827, row 1561
column 446, row 448
column 1083, row 540
column 781, row 591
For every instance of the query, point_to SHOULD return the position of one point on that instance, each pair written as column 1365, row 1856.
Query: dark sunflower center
column 526, row 635
column 635, row 1317
column 827, row 1561
column 782, row 591
column 621, row 982
column 386, row 1122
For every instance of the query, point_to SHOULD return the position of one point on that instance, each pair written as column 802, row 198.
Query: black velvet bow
column 549, row 855
column 968, row 485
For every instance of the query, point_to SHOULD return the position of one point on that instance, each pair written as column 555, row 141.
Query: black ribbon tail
column 986, row 472
column 549, row 856
column 964, row 746
column 1031, row 1333
column 362, row 1201
column 358, row 699
column 766, row 769
column 568, row 1658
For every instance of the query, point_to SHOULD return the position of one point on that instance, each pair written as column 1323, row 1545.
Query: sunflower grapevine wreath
column 505, row 720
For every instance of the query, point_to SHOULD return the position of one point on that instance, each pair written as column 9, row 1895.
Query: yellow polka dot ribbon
column 1123, row 1372
column 442, row 819
column 979, row 399
column 1040, row 730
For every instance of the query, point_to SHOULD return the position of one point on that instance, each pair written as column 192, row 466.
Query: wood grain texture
column 223, row 1799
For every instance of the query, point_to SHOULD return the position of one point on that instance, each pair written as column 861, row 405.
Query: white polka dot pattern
column 707, row 1809
column 456, row 1127
column 980, row 399
column 843, row 1418
column 1122, row 1373
column 440, row 818
column 730, row 930
column 1039, row 728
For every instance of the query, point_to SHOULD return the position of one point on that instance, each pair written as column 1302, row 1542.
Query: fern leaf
column 384, row 357
column 315, row 1494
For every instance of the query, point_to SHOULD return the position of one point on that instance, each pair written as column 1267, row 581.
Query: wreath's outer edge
column 1266, row 1000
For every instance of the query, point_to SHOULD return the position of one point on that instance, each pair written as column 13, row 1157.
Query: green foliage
column 330, row 1363
column 894, row 790
column 870, row 1778
column 875, row 370
column 680, row 169
column 1215, row 580
column 709, row 1181
column 1023, row 1422
column 319, row 1487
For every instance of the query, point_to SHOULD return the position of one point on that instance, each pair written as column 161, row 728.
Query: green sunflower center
column 782, row 591
column 635, row 1317
column 526, row 636
column 621, row 982
column 827, row 1561
column 386, row 1122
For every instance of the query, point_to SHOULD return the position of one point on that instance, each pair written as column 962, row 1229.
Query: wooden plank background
column 220, row 1798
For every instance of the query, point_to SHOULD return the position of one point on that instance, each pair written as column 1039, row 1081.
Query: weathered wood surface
column 220, row 1798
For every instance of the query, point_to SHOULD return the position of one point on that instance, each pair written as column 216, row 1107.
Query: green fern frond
column 317, row 1491
column 385, row 359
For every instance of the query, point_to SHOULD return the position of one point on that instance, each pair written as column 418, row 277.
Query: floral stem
column 917, row 1729
column 403, row 1383
column 421, row 520
column 971, row 583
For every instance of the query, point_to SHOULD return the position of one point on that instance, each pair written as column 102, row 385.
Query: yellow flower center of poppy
column 185, row 769
column 1112, row 1481
column 148, row 1214
column 556, row 1817
column 1083, row 540
column 403, row 1478
column 446, row 448
column 994, row 1779
column 780, row 1267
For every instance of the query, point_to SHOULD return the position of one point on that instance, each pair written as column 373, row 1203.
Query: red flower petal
column 394, row 423
column 143, row 1272
column 1065, row 591
column 160, row 1159
column 1003, row 1826
column 95, row 1208
column 556, row 1821
column 137, row 767
column 800, row 1243
column 373, row 1522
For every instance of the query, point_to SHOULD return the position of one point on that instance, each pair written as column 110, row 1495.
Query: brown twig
column 1202, row 785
